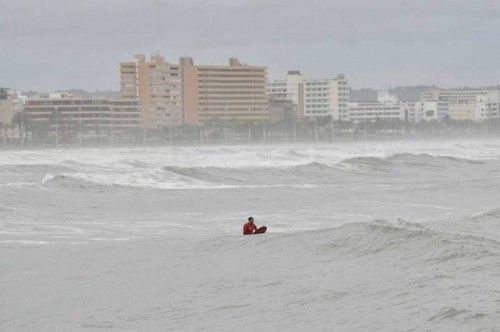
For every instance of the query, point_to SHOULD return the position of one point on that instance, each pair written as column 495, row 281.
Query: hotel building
column 314, row 98
column 235, row 91
column 72, row 116
column 422, row 110
column 157, row 86
column 7, row 107
column 360, row 112
column 465, row 104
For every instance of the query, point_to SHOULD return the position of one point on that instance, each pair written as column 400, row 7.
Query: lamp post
column 332, row 128
column 80, row 125
column 225, row 126
column 295, row 127
column 249, row 128
column 263, row 131
column 171, row 127
column 54, row 115
column 202, row 133
column 112, row 119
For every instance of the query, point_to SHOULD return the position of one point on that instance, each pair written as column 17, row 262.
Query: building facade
column 11, row 103
column 70, row 117
column 314, row 98
column 235, row 91
column 157, row 86
column 282, row 110
column 386, row 97
column 492, row 104
column 7, row 107
column 465, row 104
column 362, row 112
column 421, row 111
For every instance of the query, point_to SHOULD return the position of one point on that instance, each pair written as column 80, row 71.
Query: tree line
column 216, row 131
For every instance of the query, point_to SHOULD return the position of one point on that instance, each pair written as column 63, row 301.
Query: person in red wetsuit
column 249, row 228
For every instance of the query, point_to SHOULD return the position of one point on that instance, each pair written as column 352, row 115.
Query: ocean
column 378, row 236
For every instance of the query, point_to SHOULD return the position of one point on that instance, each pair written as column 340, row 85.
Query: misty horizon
column 376, row 45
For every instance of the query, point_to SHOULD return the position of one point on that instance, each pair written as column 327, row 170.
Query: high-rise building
column 157, row 86
column 10, row 104
column 235, row 91
column 314, row 98
column 7, row 107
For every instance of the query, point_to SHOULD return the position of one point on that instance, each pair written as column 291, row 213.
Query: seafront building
column 235, row 91
column 492, row 104
column 314, row 98
column 436, row 104
column 387, row 107
column 418, row 111
column 7, row 107
column 282, row 110
column 475, row 105
column 465, row 104
column 68, row 117
column 386, row 97
column 157, row 85
column 11, row 103
column 362, row 112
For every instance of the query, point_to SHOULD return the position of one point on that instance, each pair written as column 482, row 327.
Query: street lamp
column 225, row 125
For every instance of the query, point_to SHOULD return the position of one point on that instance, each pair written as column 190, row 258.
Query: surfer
column 250, row 228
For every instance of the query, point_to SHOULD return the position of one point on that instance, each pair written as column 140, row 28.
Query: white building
column 493, row 104
column 59, row 95
column 360, row 112
column 314, row 98
column 422, row 111
column 465, row 104
column 386, row 97
column 10, row 104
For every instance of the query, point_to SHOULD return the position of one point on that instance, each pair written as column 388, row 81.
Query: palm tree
column 3, row 93
column 19, row 120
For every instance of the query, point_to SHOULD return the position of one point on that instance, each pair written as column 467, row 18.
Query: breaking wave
column 407, row 159
column 417, row 243
column 301, row 170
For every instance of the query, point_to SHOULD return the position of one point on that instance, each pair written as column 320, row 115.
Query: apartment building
column 314, row 98
column 492, row 103
column 421, row 110
column 7, row 107
column 369, row 111
column 235, row 91
column 386, row 97
column 157, row 85
column 72, row 116
column 11, row 103
column 465, row 104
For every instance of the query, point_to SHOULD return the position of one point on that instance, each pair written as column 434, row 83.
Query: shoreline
column 270, row 143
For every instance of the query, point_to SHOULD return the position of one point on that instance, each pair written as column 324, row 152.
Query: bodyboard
column 261, row 230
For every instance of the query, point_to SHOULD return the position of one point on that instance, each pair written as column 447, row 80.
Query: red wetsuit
column 249, row 228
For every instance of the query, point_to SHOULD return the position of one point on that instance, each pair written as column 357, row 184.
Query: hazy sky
column 47, row 45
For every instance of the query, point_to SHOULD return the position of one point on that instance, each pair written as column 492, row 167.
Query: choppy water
column 377, row 236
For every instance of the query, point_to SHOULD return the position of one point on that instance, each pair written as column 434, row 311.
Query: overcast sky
column 47, row 45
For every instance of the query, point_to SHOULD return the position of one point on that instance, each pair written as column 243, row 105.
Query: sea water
column 362, row 236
